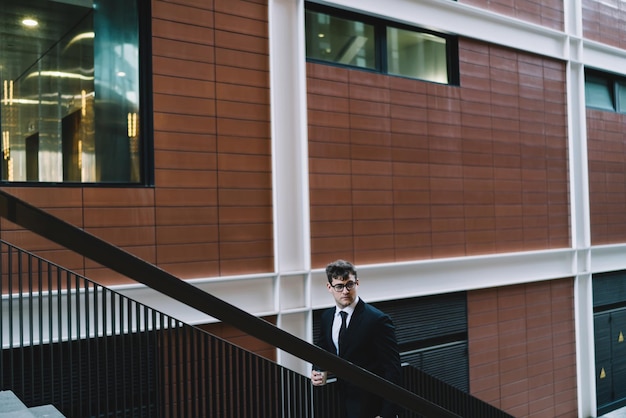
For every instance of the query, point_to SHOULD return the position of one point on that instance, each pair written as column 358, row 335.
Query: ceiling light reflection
column 59, row 74
column 31, row 23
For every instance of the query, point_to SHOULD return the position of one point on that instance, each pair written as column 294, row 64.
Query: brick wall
column 522, row 351
column 404, row 169
column 210, row 211
column 547, row 13
column 607, row 176
column 603, row 21
column 212, row 157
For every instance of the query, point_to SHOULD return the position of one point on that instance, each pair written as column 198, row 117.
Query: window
column 344, row 38
column 340, row 40
column 71, row 107
column 598, row 92
column 605, row 91
column 417, row 55
column 621, row 96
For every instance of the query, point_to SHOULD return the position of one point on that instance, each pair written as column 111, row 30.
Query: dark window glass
column 621, row 96
column 342, row 41
column 598, row 92
column 70, row 91
column 345, row 38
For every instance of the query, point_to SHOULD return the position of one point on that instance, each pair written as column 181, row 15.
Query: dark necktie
column 344, row 315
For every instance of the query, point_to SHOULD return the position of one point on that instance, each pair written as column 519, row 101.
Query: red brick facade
column 403, row 169
column 522, row 348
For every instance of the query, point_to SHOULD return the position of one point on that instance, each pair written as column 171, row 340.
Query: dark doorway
column 609, row 295
column 70, row 126
column 32, row 157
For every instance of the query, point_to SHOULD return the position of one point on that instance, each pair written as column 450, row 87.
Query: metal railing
column 94, row 352
column 435, row 390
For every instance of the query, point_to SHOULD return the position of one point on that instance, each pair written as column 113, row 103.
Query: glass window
column 598, row 92
column 621, row 96
column 417, row 55
column 342, row 41
column 70, row 91
column 341, row 37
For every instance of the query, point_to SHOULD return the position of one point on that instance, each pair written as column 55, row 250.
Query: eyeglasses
column 339, row 287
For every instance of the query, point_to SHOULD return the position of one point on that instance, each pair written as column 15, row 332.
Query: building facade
column 447, row 148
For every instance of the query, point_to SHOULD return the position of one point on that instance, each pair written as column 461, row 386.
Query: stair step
column 46, row 411
column 9, row 402
column 12, row 407
column 23, row 413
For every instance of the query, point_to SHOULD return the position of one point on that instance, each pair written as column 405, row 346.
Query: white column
column 579, row 210
column 290, row 170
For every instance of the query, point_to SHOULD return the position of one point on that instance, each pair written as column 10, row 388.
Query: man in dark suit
column 368, row 340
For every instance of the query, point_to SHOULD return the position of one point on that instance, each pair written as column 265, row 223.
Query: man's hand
column 318, row 378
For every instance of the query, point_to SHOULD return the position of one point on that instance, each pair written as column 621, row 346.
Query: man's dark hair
column 340, row 269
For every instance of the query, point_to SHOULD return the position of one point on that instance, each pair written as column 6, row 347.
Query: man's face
column 344, row 297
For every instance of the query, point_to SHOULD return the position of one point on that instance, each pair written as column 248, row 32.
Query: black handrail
column 94, row 248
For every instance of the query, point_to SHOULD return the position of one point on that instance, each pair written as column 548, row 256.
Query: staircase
column 91, row 351
column 12, row 407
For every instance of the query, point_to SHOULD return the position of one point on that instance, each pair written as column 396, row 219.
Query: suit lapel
column 329, row 330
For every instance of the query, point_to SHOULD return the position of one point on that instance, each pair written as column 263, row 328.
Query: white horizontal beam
column 465, row 20
column 604, row 57
column 608, row 258
column 461, row 19
column 420, row 278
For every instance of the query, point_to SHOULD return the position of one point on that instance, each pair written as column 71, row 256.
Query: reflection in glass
column 416, row 55
column 598, row 92
column 621, row 96
column 68, row 91
column 338, row 40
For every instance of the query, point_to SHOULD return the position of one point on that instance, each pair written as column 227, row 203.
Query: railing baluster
column 174, row 367
column 185, row 374
column 208, row 387
column 42, row 386
column 113, row 356
column 153, row 342
column 164, row 359
column 138, row 360
column 20, row 292
column 70, row 354
column 127, row 369
column 122, row 342
column 251, row 387
column 95, row 385
column 222, row 375
column 79, row 351
column 193, row 389
column 122, row 350
column 31, row 324
column 181, row 363
column 105, row 350
column 59, row 344
column 88, row 342
column 10, row 337
column 168, row 370
column 216, row 376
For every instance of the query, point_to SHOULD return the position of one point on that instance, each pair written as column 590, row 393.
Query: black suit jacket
column 369, row 342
